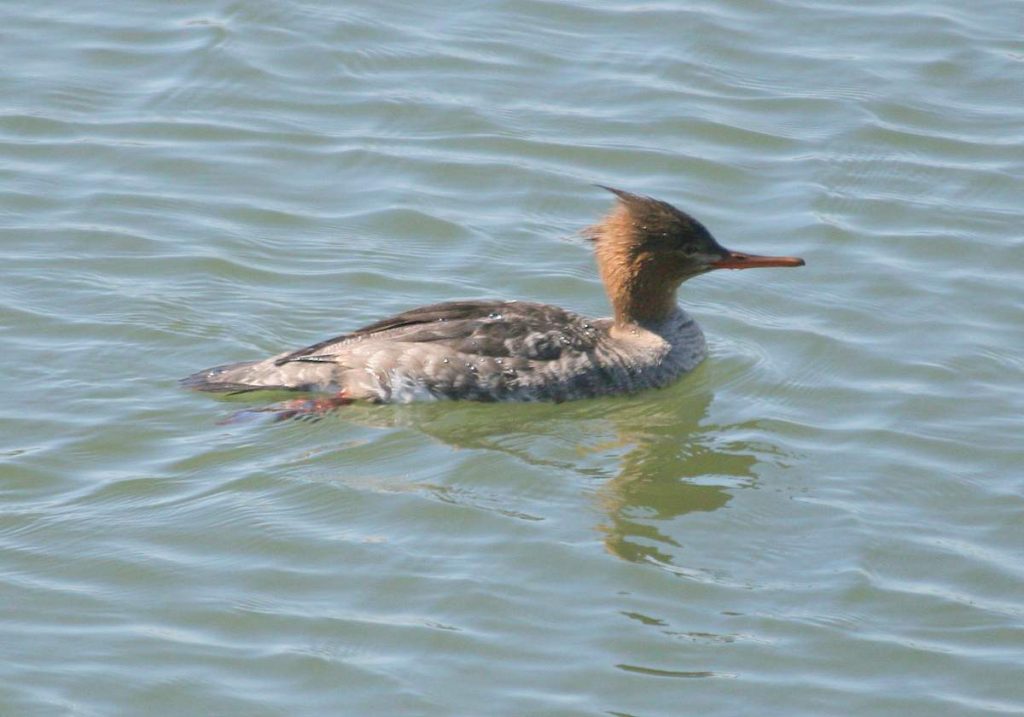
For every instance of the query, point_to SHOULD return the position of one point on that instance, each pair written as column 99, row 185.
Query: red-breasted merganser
column 483, row 350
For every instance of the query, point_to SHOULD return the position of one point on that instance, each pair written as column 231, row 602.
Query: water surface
column 823, row 519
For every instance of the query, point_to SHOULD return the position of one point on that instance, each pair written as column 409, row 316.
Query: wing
column 484, row 328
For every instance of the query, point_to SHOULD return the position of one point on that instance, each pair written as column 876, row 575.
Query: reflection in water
column 673, row 466
column 654, row 456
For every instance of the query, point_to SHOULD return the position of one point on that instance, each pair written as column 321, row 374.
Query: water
column 824, row 519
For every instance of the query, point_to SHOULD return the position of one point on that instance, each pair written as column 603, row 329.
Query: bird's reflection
column 676, row 463
column 653, row 457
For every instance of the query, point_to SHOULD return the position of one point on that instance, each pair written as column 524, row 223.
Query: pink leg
column 305, row 408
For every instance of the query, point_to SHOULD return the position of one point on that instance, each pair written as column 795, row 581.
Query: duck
column 508, row 350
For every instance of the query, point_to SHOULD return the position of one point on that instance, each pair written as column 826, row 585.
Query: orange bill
column 739, row 260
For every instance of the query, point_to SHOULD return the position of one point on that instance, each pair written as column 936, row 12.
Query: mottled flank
column 479, row 351
column 522, row 351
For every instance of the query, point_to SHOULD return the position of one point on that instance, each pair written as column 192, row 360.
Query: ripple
column 652, row 672
column 836, row 487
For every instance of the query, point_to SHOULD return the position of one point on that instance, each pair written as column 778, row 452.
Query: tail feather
column 228, row 378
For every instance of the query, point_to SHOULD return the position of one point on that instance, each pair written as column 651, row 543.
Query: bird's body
column 488, row 350
column 478, row 351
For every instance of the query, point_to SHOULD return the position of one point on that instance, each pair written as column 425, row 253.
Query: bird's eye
column 689, row 249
